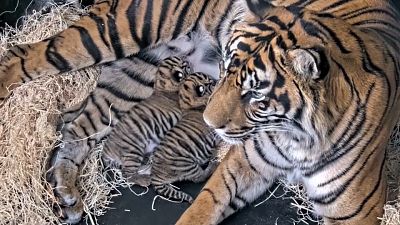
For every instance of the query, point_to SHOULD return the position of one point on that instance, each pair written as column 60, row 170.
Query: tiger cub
column 187, row 150
column 147, row 123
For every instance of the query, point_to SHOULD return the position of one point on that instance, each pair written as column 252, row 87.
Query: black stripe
column 335, row 194
column 137, row 77
column 365, row 10
column 164, row 10
column 147, row 58
column 212, row 195
column 278, row 149
column 147, row 26
column 361, row 206
column 84, row 129
column 227, row 187
column 292, row 38
column 222, row 19
column 277, row 21
column 26, row 74
column 89, row 118
column 303, row 3
column 355, row 11
column 71, row 160
column 258, row 7
column 118, row 93
column 349, row 83
column 299, row 111
column 262, row 155
column 340, row 149
column 100, row 27
column 351, row 165
column 178, row 5
column 114, row 37
column 370, row 67
column 232, row 177
column 132, row 18
column 201, row 14
column 334, row 5
column 180, row 21
column 89, row 44
column 55, row 59
column 113, row 9
column 312, row 30
column 333, row 35
column 368, row 64
column 99, row 108
column 249, row 162
column 375, row 21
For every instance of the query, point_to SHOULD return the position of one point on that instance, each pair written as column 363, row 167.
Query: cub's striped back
column 187, row 150
column 146, row 123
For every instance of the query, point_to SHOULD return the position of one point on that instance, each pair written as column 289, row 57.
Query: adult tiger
column 323, row 100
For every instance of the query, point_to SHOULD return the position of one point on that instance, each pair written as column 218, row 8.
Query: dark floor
column 133, row 210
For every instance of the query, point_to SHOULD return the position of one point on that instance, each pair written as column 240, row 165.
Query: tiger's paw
column 11, row 71
column 68, row 204
column 70, row 214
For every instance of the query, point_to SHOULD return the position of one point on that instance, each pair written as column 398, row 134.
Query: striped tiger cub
column 309, row 90
column 188, row 149
column 146, row 124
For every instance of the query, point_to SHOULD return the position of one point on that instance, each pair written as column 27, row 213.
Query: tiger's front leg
column 84, row 125
column 62, row 176
column 233, row 185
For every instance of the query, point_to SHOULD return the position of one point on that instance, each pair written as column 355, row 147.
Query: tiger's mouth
column 235, row 137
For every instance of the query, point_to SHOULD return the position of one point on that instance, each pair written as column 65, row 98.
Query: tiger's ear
column 309, row 63
column 258, row 7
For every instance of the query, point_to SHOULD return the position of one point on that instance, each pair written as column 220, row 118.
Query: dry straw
column 27, row 134
column 27, row 130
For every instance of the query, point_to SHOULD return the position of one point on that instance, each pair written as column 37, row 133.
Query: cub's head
column 195, row 91
column 284, row 74
column 171, row 73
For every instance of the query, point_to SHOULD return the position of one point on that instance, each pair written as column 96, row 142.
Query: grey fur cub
column 188, row 150
column 145, row 125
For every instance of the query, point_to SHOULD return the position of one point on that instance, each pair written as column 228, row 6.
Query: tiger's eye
column 258, row 95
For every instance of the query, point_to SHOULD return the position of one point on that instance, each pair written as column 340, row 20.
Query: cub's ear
column 309, row 63
column 258, row 7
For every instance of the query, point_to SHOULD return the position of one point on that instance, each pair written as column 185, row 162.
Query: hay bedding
column 27, row 135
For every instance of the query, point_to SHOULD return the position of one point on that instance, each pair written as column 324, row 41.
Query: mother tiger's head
column 283, row 75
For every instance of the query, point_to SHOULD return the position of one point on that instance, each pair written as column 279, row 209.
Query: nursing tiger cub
column 188, row 151
column 310, row 87
column 146, row 124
